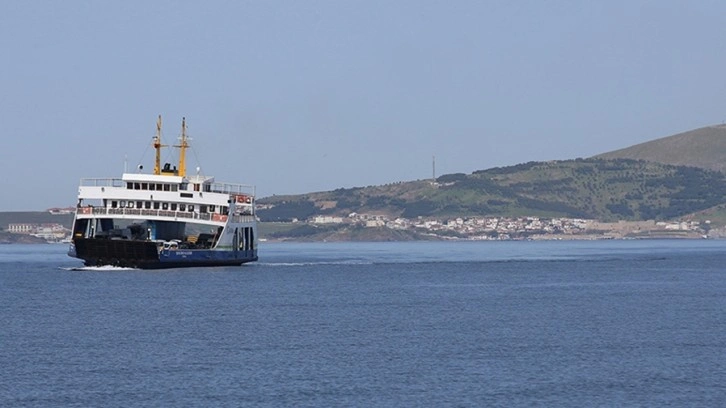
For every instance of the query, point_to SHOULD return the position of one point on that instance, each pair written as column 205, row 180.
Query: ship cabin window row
column 151, row 186
column 132, row 185
column 156, row 205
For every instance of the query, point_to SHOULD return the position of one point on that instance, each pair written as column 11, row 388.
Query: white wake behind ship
column 166, row 219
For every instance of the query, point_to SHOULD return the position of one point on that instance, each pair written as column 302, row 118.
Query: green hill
column 704, row 147
column 662, row 179
column 595, row 188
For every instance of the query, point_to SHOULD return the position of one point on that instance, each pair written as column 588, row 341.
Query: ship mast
column 157, row 146
column 183, row 149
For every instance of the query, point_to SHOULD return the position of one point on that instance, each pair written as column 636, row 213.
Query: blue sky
column 301, row 96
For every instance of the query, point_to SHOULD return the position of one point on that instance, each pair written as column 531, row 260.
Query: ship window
column 129, row 185
column 166, row 187
column 131, row 204
column 147, row 205
column 183, row 186
column 203, row 209
column 191, row 208
column 174, row 187
column 114, row 204
column 144, row 186
column 173, row 206
column 196, row 187
column 211, row 208
column 122, row 204
column 224, row 210
column 137, row 186
column 139, row 204
column 164, row 206
column 159, row 186
column 182, row 207
column 152, row 186
column 156, row 205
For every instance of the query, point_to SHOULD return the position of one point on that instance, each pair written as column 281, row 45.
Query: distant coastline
column 35, row 227
column 381, row 229
column 488, row 229
column 10, row 238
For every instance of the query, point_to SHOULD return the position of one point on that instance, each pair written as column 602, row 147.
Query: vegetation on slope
column 619, row 189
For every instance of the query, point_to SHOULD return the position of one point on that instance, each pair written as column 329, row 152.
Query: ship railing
column 102, row 182
column 233, row 189
column 162, row 213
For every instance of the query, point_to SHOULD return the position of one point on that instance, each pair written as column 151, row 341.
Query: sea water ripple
column 606, row 323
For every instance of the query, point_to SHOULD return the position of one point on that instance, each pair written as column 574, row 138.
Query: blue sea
column 432, row 324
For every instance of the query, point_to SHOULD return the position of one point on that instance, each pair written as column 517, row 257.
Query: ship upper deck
column 161, row 197
column 169, row 193
column 152, row 182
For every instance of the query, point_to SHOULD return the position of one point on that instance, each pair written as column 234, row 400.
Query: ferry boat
column 166, row 219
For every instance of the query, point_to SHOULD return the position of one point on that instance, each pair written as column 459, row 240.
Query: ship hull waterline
column 145, row 255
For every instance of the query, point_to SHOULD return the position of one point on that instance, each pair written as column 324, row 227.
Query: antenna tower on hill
column 433, row 167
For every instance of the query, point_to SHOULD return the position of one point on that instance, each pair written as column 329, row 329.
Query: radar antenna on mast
column 157, row 146
column 183, row 145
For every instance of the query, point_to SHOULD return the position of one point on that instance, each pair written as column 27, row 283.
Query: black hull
column 145, row 255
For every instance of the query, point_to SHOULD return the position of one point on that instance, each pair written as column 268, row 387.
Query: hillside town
column 507, row 228
column 49, row 226
column 50, row 232
column 463, row 228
